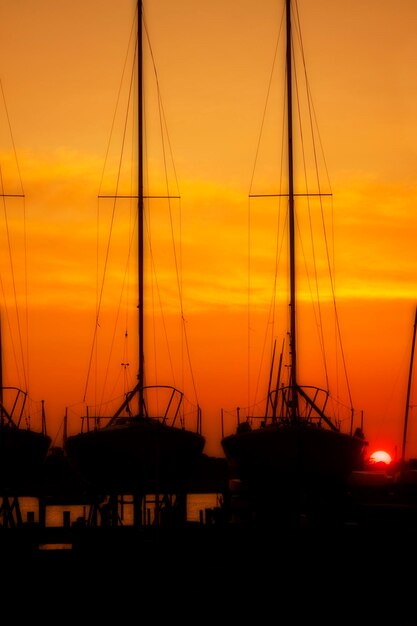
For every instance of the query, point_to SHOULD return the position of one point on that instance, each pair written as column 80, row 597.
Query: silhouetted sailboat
column 140, row 449
column 296, row 447
column 22, row 449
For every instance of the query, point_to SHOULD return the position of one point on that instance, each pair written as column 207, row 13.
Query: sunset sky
column 60, row 69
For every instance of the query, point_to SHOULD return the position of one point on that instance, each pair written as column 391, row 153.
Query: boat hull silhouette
column 136, row 455
column 22, row 457
column 295, row 454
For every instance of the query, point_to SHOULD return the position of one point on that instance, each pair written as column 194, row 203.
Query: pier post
column 137, row 509
column 42, row 511
column 10, row 512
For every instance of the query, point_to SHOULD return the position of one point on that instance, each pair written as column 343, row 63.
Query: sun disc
column 380, row 456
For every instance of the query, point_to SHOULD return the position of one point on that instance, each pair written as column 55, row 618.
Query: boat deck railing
column 163, row 403
column 305, row 404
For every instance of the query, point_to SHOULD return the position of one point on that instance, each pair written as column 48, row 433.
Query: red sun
column 380, row 456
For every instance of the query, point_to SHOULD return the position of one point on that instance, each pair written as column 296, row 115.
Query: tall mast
column 291, row 216
column 1, row 380
column 140, row 210
column 410, row 377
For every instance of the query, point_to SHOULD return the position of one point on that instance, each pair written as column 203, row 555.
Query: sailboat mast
column 291, row 214
column 1, row 379
column 140, row 210
column 410, row 378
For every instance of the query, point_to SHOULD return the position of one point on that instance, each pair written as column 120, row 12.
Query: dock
column 374, row 508
column 357, row 566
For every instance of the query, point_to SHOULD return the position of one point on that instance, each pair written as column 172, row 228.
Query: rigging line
column 154, row 287
column 116, row 108
column 278, row 247
column 161, row 107
column 266, row 103
column 331, row 273
column 25, row 374
column 26, row 292
column 126, row 279
column 165, row 133
column 249, row 243
column 11, row 135
column 187, row 347
column 125, row 290
column 133, row 230
column 98, row 300
column 248, row 359
column 161, row 308
column 177, row 262
column 26, row 369
column 118, row 314
column 127, row 57
column 13, row 277
column 280, row 241
column 319, row 322
column 310, row 99
column 309, row 102
column 107, row 254
column 11, row 334
column 311, row 110
column 158, row 291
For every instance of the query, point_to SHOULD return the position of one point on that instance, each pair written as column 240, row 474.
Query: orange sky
column 60, row 67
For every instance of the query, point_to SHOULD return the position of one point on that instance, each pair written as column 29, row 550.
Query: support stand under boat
column 10, row 512
column 147, row 510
